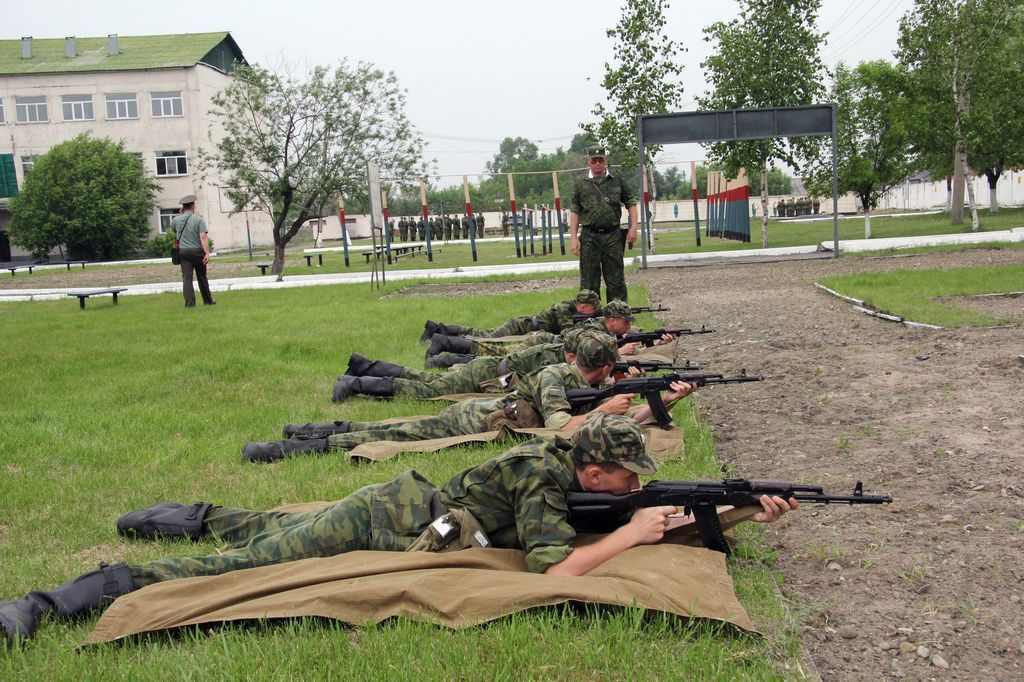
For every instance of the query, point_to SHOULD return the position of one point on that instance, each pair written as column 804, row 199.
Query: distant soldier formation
column 795, row 207
column 441, row 227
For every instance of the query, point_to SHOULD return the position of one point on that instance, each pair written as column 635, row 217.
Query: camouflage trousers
column 384, row 516
column 602, row 254
column 458, row 419
column 469, row 378
column 502, row 346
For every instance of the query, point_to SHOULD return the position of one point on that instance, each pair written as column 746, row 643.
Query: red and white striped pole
column 558, row 211
column 469, row 217
column 515, row 218
column 696, row 199
column 423, row 207
column 344, row 227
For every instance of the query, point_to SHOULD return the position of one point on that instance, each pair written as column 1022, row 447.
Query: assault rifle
column 648, row 338
column 651, row 388
column 622, row 366
column 583, row 317
column 604, row 512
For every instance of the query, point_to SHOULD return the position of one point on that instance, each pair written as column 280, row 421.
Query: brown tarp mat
column 454, row 589
column 662, row 443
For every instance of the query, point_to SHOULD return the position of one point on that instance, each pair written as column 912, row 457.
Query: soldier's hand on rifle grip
column 678, row 390
column 649, row 523
column 774, row 507
column 618, row 404
column 665, row 339
column 628, row 349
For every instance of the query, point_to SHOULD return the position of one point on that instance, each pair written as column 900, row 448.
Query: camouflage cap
column 597, row 151
column 588, row 296
column 595, row 349
column 604, row 437
column 571, row 339
column 618, row 309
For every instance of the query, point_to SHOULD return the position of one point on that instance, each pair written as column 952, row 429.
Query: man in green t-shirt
column 190, row 232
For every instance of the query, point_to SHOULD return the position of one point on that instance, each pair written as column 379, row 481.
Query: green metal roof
column 135, row 53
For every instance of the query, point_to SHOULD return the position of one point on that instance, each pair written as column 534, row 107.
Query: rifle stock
column 604, row 512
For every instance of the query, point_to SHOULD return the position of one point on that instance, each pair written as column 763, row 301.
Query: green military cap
column 595, row 348
column 588, row 296
column 618, row 309
column 604, row 437
column 187, row 199
column 597, row 150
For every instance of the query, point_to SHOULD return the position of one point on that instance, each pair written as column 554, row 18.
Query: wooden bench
column 319, row 258
column 69, row 263
column 15, row 268
column 263, row 267
column 82, row 295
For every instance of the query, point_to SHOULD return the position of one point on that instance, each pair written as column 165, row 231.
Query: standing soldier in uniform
column 480, row 225
column 403, row 229
column 595, row 214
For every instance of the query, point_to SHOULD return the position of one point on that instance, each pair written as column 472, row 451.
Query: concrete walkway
column 655, row 260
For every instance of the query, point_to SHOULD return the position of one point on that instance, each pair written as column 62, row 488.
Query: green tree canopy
column 290, row 145
column 767, row 57
column 87, row 194
column 644, row 79
column 512, row 151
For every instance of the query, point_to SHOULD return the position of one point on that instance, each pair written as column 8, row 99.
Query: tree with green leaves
column 643, row 79
column 291, row 145
column 767, row 57
column 956, row 52
column 510, row 152
column 88, row 195
column 872, row 139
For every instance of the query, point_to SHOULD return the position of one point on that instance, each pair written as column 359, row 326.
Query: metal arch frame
column 740, row 124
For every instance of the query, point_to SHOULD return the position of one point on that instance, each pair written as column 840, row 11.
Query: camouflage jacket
column 529, row 360
column 558, row 317
column 599, row 201
column 545, row 391
column 520, row 499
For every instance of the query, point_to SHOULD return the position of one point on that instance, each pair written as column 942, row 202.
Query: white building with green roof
column 152, row 92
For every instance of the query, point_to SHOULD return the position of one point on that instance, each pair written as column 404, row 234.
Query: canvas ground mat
column 454, row 589
column 662, row 443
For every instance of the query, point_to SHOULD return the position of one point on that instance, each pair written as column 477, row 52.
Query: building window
column 26, row 164
column 122, row 105
column 166, row 216
column 31, row 109
column 77, row 107
column 167, row 104
column 171, row 163
column 3, row 119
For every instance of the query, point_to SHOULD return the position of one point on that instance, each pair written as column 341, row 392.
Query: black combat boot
column 274, row 451
column 362, row 366
column 446, row 360
column 321, row 430
column 19, row 619
column 429, row 329
column 166, row 519
column 378, row 387
column 448, row 344
column 432, row 328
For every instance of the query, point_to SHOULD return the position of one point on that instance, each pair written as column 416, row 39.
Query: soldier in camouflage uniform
column 479, row 224
column 517, row 500
column 596, row 208
column 542, row 393
column 484, row 374
column 554, row 320
column 403, row 229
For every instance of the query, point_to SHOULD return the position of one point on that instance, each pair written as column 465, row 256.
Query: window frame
column 3, row 112
column 168, row 213
column 168, row 97
column 181, row 157
column 126, row 98
column 85, row 101
column 37, row 101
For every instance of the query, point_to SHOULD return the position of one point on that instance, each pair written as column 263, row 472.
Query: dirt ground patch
column 932, row 417
column 1010, row 307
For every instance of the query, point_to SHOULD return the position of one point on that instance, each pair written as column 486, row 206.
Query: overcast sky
column 475, row 72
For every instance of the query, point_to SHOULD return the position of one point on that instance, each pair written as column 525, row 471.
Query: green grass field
column 916, row 294
column 119, row 407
